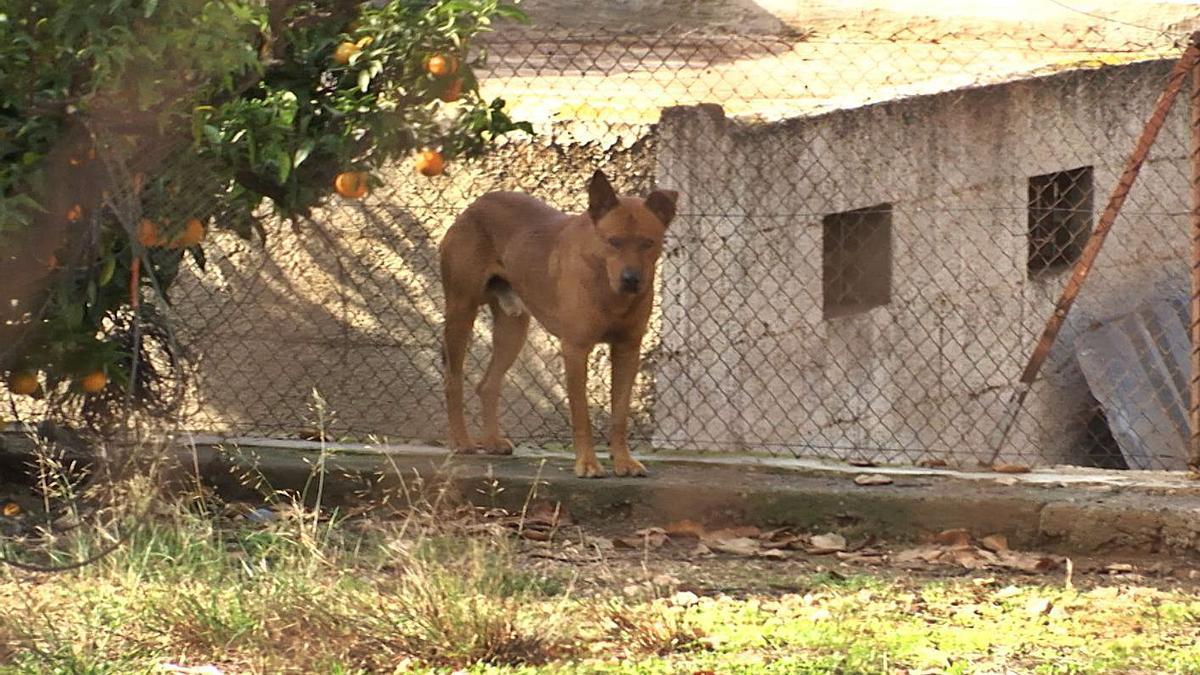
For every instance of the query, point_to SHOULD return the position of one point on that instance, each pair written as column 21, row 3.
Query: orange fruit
column 75, row 213
column 430, row 163
column 23, row 383
column 440, row 65
column 11, row 509
column 147, row 233
column 52, row 262
column 193, row 234
column 94, row 382
column 344, row 51
column 453, row 92
column 351, row 184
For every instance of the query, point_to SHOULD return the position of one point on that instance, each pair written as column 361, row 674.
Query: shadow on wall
column 352, row 309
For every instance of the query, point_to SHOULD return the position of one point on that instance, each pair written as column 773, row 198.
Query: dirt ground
column 677, row 564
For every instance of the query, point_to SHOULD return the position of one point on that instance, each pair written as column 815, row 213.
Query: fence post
column 1194, row 394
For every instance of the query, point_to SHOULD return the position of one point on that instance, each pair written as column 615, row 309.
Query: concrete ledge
column 1079, row 516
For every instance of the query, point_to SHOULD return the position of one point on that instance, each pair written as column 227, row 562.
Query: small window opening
column 1060, row 219
column 856, row 260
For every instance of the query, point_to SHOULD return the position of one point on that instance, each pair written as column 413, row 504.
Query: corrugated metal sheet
column 1137, row 367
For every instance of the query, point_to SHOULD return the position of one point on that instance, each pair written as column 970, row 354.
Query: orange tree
column 195, row 114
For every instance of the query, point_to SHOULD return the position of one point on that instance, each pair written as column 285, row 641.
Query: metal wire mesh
column 871, row 234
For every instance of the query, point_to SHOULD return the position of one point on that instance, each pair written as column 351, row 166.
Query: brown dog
column 587, row 279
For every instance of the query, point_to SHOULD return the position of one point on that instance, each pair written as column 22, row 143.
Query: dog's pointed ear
column 662, row 204
column 601, row 196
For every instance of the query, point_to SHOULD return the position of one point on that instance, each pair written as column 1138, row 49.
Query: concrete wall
column 747, row 359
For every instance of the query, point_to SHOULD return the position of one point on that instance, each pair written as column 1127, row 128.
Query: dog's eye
column 645, row 245
column 615, row 242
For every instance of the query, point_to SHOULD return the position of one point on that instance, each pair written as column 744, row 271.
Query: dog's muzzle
column 631, row 281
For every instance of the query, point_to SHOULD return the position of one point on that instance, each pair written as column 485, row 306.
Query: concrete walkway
column 1064, row 510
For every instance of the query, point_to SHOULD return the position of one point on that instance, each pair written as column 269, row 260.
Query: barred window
column 1060, row 219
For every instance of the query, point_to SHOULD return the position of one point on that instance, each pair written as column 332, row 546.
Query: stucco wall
column 747, row 359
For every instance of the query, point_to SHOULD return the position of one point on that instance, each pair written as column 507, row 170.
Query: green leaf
column 364, row 80
column 73, row 315
column 284, row 162
column 511, row 12
column 151, row 5
column 106, row 272
column 303, row 152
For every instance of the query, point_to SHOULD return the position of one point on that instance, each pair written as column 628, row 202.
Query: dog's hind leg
column 508, row 336
column 460, row 322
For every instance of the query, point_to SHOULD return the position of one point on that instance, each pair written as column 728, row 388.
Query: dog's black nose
column 630, row 280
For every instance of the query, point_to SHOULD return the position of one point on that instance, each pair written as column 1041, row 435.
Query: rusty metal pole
column 1179, row 74
column 1194, row 398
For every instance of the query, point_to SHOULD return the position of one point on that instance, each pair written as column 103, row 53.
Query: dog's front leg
column 625, row 358
column 575, row 360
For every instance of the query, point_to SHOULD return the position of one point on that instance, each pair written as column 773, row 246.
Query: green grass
column 297, row 595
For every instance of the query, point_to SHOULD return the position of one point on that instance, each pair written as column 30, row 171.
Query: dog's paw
column 464, row 446
column 628, row 466
column 589, row 467
column 496, row 446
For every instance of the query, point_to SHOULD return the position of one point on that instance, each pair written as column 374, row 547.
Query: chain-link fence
column 871, row 236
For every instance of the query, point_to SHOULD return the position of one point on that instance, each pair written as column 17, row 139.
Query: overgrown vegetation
column 286, row 589
column 129, row 128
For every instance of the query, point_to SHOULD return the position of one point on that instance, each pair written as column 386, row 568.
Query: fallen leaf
column 537, row 534
column 568, row 555
column 987, row 556
column 861, row 462
column 684, row 528
column 664, row 581
column 791, row 541
column 821, row 544
column 551, row 513
column 1007, row 480
column 1027, row 562
column 1002, row 467
column 967, row 558
column 926, row 554
column 772, row 554
column 738, row 546
column 684, row 599
column 644, row 539
column 701, row 549
column 598, row 543
column 933, row 463
column 955, row 538
column 738, row 532
column 1118, row 568
column 872, row 479
column 861, row 557
column 1038, row 606
column 995, row 543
